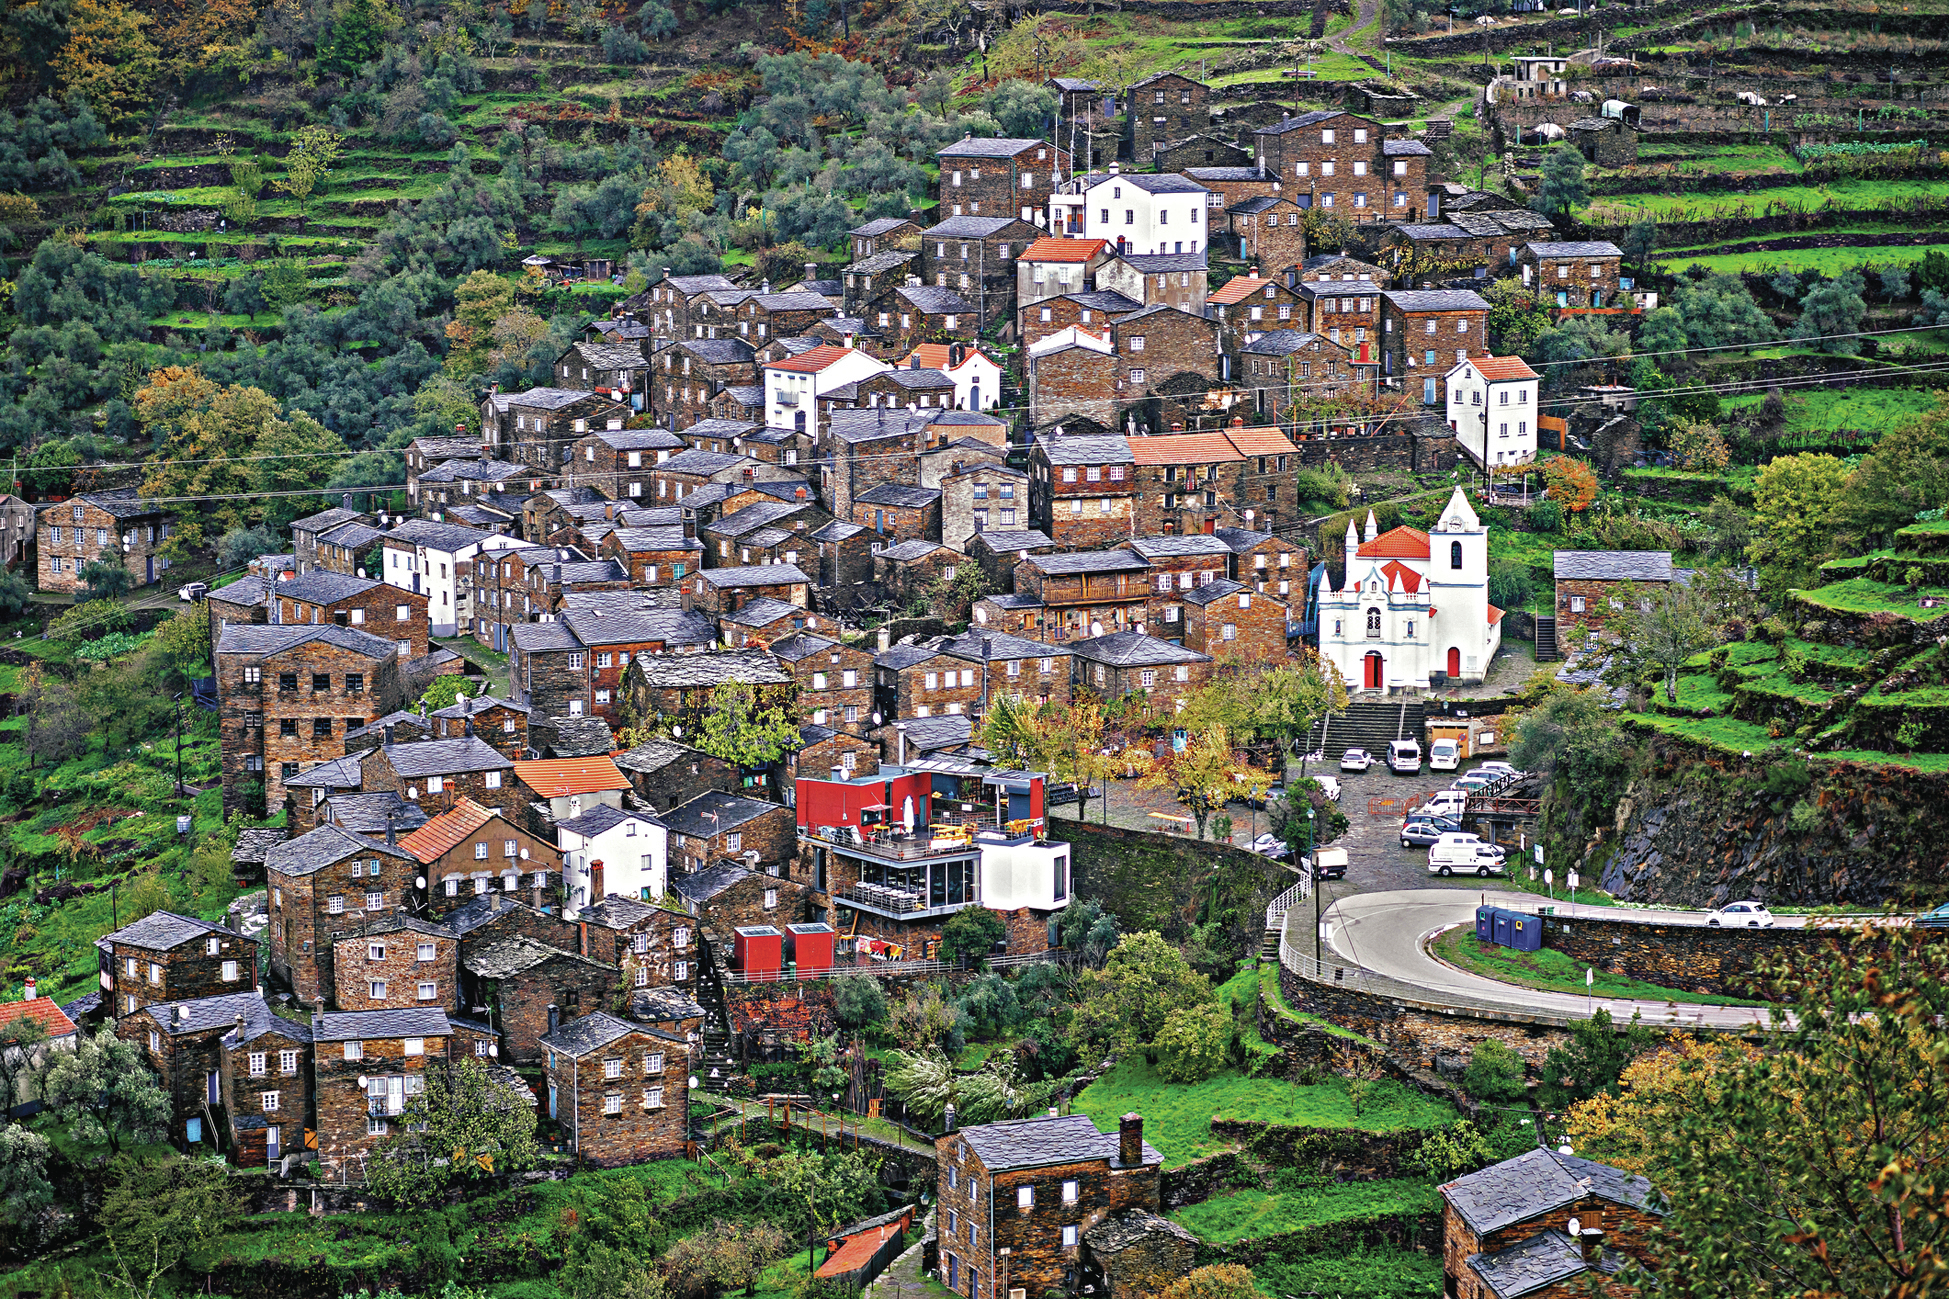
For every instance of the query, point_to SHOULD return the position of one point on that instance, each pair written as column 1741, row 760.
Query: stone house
column 1266, row 492
column 912, row 314
column 620, row 1090
column 1543, row 1224
column 305, row 532
column 678, row 687
column 689, row 470
column 981, row 494
column 1075, row 377
column 455, row 490
column 727, row 897
column 427, row 557
column 880, row 234
column 1345, row 312
column 1136, row 1253
column 1592, row 585
column 1424, row 332
column 1265, row 561
column 721, row 590
column 912, row 570
column 287, row 696
column 664, row 773
column 835, row 681
column 1165, row 106
column 72, row 534
column 1324, row 268
column 653, row 556
column 975, row 256
column 763, row 623
column 715, row 828
column 1181, row 562
column 691, row 371
column 1199, row 151
column 426, row 454
column 245, row 601
column 1268, row 230
column 380, row 609
column 824, row 751
column 1083, row 490
column 617, row 370
column 618, row 462
column 502, row 723
column 470, row 850
column 1576, row 274
column 542, row 423
column 523, row 989
column 323, row 884
column 845, row 554
column 350, row 548
column 1229, row 186
column 870, row 279
column 1032, row 1187
column 1137, row 214
column 999, row 178
column 1086, row 312
column 369, row 1065
column 487, row 919
column 1605, row 141
column 1226, row 620
column 1168, row 355
column 654, row 943
column 1293, row 374
column 1176, row 280
column 1053, row 266
column 437, row 774
column 1186, row 483
column 752, row 536
column 764, row 316
column 183, row 1042
column 265, row 1084
column 924, row 681
column 999, row 550
column 1132, row 663
column 668, row 310
column 912, row 386
column 1345, row 163
column 166, row 957
column 1247, row 306
column 1085, row 594
column 896, row 513
column 1012, row 665
column 396, row 962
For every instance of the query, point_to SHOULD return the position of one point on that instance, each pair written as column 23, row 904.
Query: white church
column 1412, row 603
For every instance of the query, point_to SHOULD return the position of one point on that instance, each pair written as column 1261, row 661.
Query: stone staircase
column 1546, row 650
column 1368, row 724
column 719, row 1062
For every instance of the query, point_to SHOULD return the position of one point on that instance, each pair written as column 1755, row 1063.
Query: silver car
column 1356, row 760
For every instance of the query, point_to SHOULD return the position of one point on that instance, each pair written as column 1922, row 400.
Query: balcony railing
column 895, row 845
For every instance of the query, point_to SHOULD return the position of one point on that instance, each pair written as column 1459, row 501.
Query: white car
column 1356, row 760
column 1269, row 845
column 1736, row 915
column 193, row 592
column 1404, row 758
column 1329, row 786
column 1444, row 755
column 1499, row 770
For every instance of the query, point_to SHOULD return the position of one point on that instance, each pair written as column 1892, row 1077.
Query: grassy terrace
column 1668, row 206
column 1549, row 970
column 1255, row 1214
column 1864, row 595
column 1828, row 261
column 1876, row 410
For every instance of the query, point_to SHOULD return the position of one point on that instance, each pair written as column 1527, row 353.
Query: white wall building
column 606, row 850
column 425, row 556
column 1492, row 406
column 1411, row 603
column 1161, row 213
column 792, row 385
column 1018, row 873
column 977, row 376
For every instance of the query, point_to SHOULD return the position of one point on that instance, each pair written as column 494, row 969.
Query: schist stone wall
column 1696, row 958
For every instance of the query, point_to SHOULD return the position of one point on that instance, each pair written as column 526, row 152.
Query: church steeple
column 1373, row 529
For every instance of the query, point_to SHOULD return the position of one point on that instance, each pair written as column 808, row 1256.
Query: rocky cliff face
column 1857, row 834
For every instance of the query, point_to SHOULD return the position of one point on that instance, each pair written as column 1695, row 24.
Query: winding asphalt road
column 1388, row 933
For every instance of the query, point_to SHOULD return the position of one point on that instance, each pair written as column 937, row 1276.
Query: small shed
column 809, row 947
column 757, row 950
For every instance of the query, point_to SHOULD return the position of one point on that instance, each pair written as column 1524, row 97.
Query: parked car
column 1426, row 832
column 1464, row 853
column 1470, row 839
column 1329, row 863
column 1444, row 755
column 193, row 591
column 1936, row 919
column 1329, row 785
column 1404, row 758
column 1500, row 769
column 1270, row 794
column 1448, row 802
column 1356, row 760
column 1735, row 915
column 1270, row 845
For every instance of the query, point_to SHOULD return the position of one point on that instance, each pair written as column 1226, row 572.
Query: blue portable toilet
column 1505, row 927
column 1485, row 924
column 1526, row 932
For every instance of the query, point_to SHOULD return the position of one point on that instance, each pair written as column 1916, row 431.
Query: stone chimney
column 1130, row 1140
column 812, row 270
column 885, row 636
column 683, row 594
column 31, row 990
column 392, row 831
column 1591, row 1241
column 554, row 1018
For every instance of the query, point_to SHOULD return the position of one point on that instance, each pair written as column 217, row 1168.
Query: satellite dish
column 419, row 881
column 524, row 854
column 361, row 1082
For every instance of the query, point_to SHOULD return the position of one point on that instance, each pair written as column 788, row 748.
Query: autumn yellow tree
column 1203, row 774
column 109, row 60
column 1572, row 483
column 1653, row 1090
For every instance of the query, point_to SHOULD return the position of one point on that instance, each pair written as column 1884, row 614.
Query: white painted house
column 426, row 557
column 1492, row 406
column 977, row 376
column 1411, row 603
column 606, row 850
column 1148, row 213
column 793, row 384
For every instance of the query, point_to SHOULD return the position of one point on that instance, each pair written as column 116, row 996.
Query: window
column 1025, row 1197
column 335, row 905
column 257, row 1064
column 413, row 1046
column 374, row 901
column 1068, row 1237
column 1069, row 1192
column 653, row 1098
column 1326, row 137
column 287, row 1062
column 612, row 1068
column 376, row 989
column 771, row 899
column 680, row 970
column 271, row 1102
column 428, row 992
column 1576, row 604
column 355, row 1050
column 374, row 1126
column 1136, row 342
column 1455, row 547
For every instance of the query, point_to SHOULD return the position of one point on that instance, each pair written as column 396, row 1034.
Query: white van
column 1447, row 802
column 1444, row 755
column 1465, row 856
column 1404, row 758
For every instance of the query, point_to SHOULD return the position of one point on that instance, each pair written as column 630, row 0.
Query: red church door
column 1454, row 663
column 1373, row 677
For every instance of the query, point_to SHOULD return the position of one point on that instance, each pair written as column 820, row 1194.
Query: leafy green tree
column 90, row 620
column 283, row 283
column 1662, row 333
column 972, row 932
column 1906, row 474
column 1454, row 1151
column 657, row 19
column 57, row 725
column 15, row 594
column 859, row 1002
column 607, row 1254
column 1517, row 315
column 185, row 636
column 923, row 1019
column 1494, row 1074
column 1191, row 1043
column 1933, row 271
column 1718, row 310
column 358, row 33
column 1510, row 584
column 1833, row 307
column 313, row 151
column 104, row 1092
column 159, row 1208
column 23, row 1042
column 1021, row 108
column 1123, row 1006
column 466, row 1126
column 1592, row 1059
column 1218, row 1281
column 25, row 1192
column 742, row 729
column 1569, row 732
column 1794, row 504
column 927, row 1083
column 246, row 542
column 1660, row 627
column 1203, row 774
column 107, row 578
column 1638, row 242
column 444, row 692
column 1561, row 188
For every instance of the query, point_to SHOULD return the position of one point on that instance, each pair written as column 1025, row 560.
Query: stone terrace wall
column 1696, row 958
column 1414, row 1034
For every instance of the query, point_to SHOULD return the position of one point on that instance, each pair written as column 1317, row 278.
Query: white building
column 1151, row 214
column 606, row 850
column 977, row 376
column 793, row 385
column 1412, row 603
column 1021, row 872
column 1492, row 407
column 426, row 557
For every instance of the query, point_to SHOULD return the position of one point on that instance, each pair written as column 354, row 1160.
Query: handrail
column 1275, row 912
column 837, row 971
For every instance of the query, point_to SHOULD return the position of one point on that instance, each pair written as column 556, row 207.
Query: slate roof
column 900, row 495
column 1108, row 301
column 591, row 1032
column 1255, row 205
column 1614, row 565
column 933, row 300
column 1435, row 299
column 718, row 351
column 678, row 671
column 506, row 957
column 601, row 819
column 1037, row 1142
column 1134, row 649
column 1405, row 149
column 326, row 520
column 898, row 657
column 696, row 461
column 920, row 378
column 1299, row 120
column 247, row 590
column 476, row 704
column 733, row 810
column 703, row 885
column 1535, row 1183
column 1090, row 561
column 345, row 772
column 1001, row 147
column 968, row 227
column 1420, row 230
column 549, row 398
column 252, row 845
column 802, row 301
column 1111, row 449
column 878, row 226
column 639, row 439
column 437, row 536
column 1074, row 83
column 837, row 530
column 322, row 586
column 326, row 846
column 717, row 427
column 732, row 579
column 662, row 1003
column 1001, row 541
column 604, row 626
column 537, row 637
column 670, row 537
column 161, row 931
column 1542, row 1260
column 762, row 612
column 205, row 1013
column 909, row 551
column 1178, row 545
column 689, row 285
column 1216, row 589
column 876, row 422
column 121, row 505
column 443, row 757
column 949, row 731
column 1242, row 539
column 479, row 909
column 994, row 646
column 366, row 813
column 273, row 638
column 1575, row 248
column 753, row 517
column 616, row 911
column 1314, row 289
column 653, row 755
column 1226, row 173
column 1132, row 1227
column 357, row 1025
column 1161, row 263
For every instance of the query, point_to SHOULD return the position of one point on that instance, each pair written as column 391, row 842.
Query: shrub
column 1495, row 1073
column 971, row 932
column 89, row 620
column 1221, row 1281
column 1191, row 1045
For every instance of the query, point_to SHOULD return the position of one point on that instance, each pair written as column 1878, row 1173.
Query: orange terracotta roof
column 1184, row 449
column 1395, row 543
column 1495, row 615
column 934, row 356
column 1238, row 288
column 1498, row 368
column 860, row 1247
column 42, row 1009
column 556, row 777
column 1261, row 442
column 1409, row 579
column 813, row 361
column 444, row 832
column 1050, row 249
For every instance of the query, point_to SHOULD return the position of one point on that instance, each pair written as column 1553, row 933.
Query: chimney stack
column 392, row 832
column 885, row 636
column 684, row 596
column 812, row 270
column 1591, row 1241
column 31, row 990
column 947, row 1119
column 554, row 1018
column 1130, row 1140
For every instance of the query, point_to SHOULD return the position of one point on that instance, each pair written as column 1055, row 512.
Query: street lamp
column 1314, row 867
